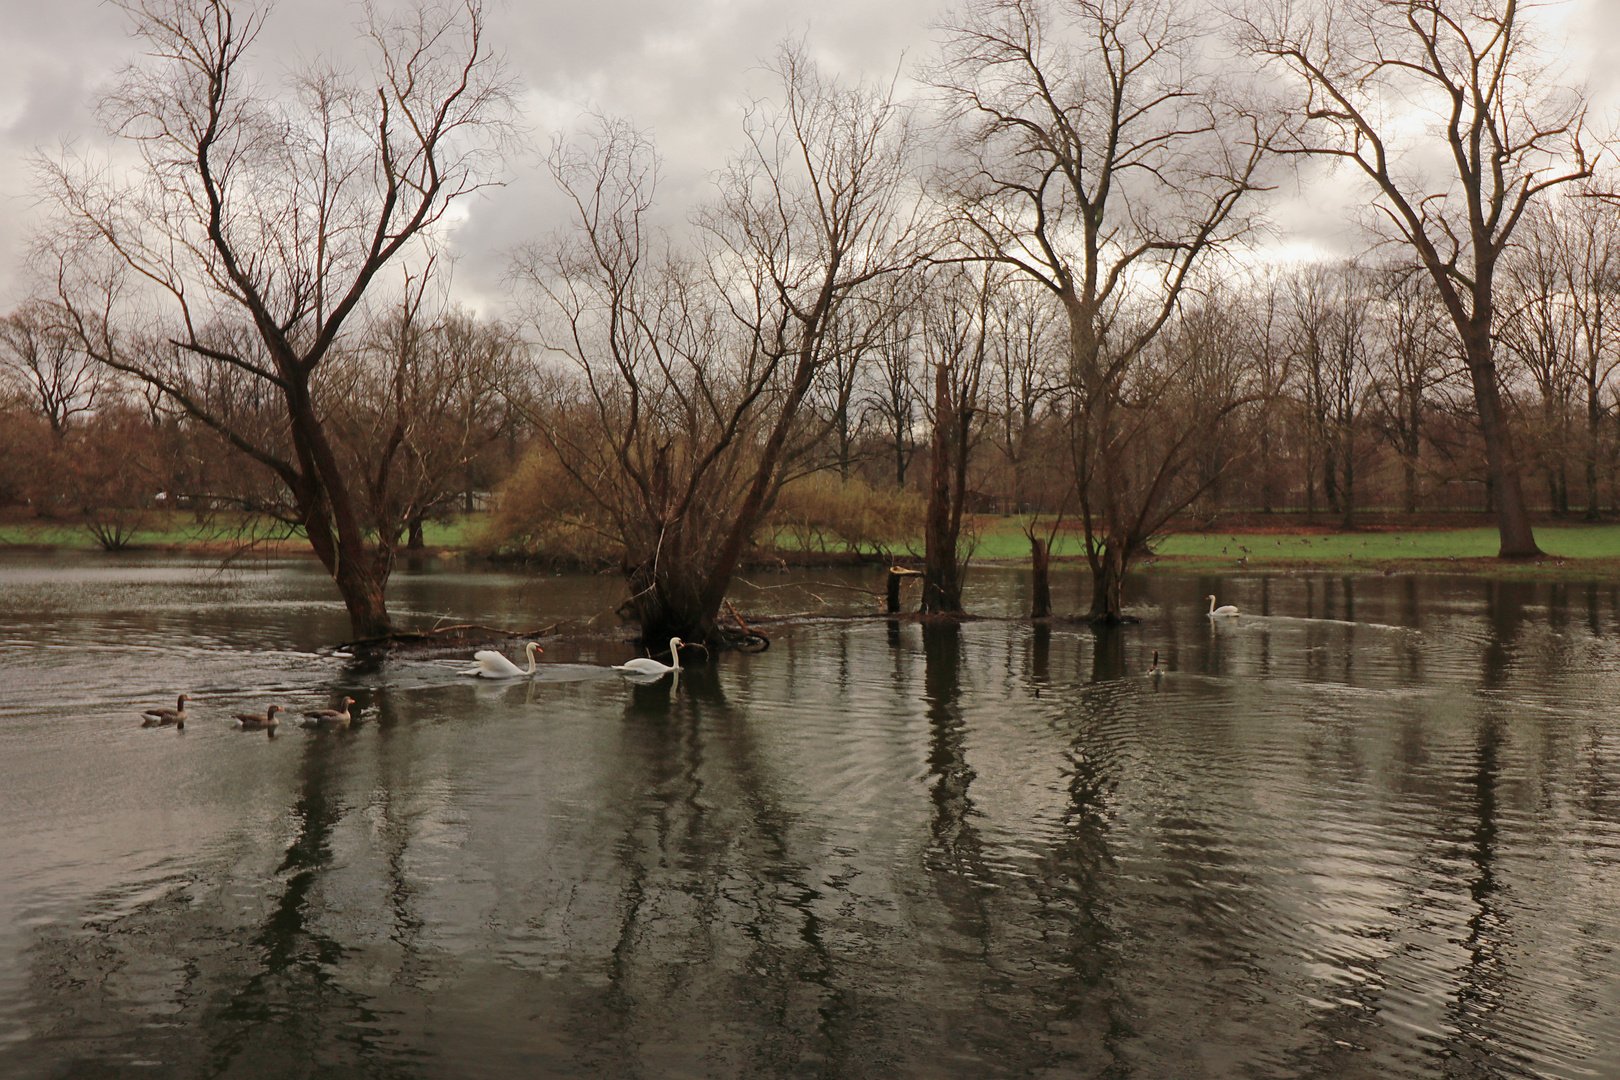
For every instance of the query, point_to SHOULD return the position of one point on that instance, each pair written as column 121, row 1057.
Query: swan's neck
column 530, row 651
column 1212, row 605
column 674, row 654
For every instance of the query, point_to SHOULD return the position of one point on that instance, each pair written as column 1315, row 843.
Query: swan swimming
column 1224, row 609
column 646, row 665
column 494, row 665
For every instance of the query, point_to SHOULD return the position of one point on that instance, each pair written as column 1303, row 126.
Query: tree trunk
column 1348, row 494
column 1038, row 558
column 1501, row 463
column 1107, row 581
column 414, row 541
column 1266, row 498
column 942, row 585
column 668, row 602
column 1594, row 419
column 363, row 596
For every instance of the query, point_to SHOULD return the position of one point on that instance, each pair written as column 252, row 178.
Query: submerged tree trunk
column 1107, row 582
column 942, row 572
column 1039, row 562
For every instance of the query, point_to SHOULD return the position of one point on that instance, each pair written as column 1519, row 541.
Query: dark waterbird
column 165, row 717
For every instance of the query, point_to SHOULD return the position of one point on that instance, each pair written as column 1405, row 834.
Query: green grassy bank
column 183, row 531
column 1575, row 551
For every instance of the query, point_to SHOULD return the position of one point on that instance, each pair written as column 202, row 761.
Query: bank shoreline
column 1240, row 553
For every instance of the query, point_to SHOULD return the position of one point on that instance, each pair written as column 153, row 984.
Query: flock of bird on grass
column 490, row 665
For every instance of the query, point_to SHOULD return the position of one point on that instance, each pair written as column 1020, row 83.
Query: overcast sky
column 680, row 69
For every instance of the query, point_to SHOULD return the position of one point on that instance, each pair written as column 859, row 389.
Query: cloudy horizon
column 681, row 73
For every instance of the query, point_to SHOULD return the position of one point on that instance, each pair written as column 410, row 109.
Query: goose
column 258, row 721
column 494, row 665
column 165, row 717
column 339, row 715
column 646, row 665
column 1224, row 609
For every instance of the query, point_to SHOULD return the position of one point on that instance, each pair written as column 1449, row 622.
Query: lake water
column 1370, row 830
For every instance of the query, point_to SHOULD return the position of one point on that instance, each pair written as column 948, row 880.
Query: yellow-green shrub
column 823, row 512
column 541, row 512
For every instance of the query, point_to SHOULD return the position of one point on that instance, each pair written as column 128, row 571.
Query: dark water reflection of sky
column 1371, row 830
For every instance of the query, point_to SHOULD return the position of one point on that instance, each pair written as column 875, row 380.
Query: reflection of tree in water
column 292, row 1009
column 1108, row 655
column 1040, row 656
column 1043, row 994
column 955, row 852
column 1475, row 1045
column 720, row 930
column 1482, row 982
column 244, row 1002
column 1072, row 913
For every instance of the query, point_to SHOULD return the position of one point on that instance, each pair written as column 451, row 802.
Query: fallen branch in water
column 459, row 634
column 805, row 585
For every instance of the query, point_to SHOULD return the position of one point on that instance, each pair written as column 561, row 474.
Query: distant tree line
column 1039, row 291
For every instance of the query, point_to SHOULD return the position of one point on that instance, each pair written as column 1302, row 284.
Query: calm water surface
column 1371, row 830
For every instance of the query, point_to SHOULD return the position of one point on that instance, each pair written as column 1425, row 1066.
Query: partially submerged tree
column 684, row 408
column 955, row 335
column 1100, row 162
column 256, row 220
column 1444, row 107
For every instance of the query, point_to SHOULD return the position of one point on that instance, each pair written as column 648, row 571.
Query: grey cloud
column 679, row 70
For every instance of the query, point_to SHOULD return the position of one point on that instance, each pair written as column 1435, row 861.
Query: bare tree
column 54, row 377
column 1022, row 381
column 1415, row 352
column 1329, row 316
column 273, row 211
column 686, row 410
column 955, row 332
column 892, row 400
column 1103, row 165
column 1560, row 325
column 855, row 343
column 1592, row 257
column 416, row 403
column 1263, row 326
column 1497, row 132
column 1537, row 333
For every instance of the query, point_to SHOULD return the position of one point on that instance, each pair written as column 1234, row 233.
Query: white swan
column 1224, row 609
column 165, row 717
column 493, row 665
column 646, row 665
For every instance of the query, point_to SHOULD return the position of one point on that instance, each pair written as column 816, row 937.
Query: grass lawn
column 1558, row 541
column 1573, row 551
column 183, row 530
